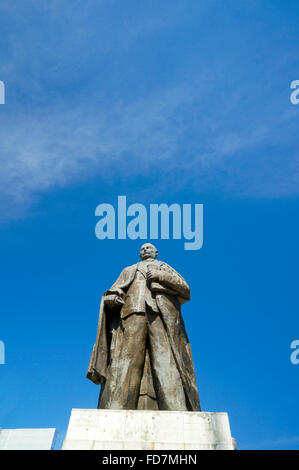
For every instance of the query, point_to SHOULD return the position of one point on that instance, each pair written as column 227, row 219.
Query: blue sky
column 173, row 101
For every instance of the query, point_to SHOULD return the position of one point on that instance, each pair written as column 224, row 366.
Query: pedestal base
column 147, row 430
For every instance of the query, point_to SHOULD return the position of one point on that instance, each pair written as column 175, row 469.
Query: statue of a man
column 142, row 355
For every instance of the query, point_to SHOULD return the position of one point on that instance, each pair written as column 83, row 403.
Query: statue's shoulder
column 164, row 265
column 169, row 268
column 130, row 268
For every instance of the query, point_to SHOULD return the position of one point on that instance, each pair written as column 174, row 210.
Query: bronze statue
column 142, row 355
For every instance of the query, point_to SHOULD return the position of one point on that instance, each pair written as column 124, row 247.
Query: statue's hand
column 113, row 300
column 152, row 275
column 118, row 300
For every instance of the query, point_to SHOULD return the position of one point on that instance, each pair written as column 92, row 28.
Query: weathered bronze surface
column 142, row 355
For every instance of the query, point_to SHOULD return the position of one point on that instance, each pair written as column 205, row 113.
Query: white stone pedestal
column 147, row 430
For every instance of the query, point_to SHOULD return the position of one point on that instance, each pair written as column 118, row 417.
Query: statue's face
column 148, row 251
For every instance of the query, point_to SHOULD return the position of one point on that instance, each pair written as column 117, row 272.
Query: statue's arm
column 121, row 284
column 171, row 279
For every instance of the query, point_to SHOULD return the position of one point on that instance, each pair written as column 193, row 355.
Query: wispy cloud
column 62, row 125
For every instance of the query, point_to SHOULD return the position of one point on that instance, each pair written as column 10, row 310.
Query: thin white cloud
column 56, row 147
column 186, row 125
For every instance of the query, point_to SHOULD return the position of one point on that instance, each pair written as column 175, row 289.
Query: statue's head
column 148, row 251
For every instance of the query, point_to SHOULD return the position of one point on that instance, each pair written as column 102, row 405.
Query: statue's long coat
column 169, row 306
